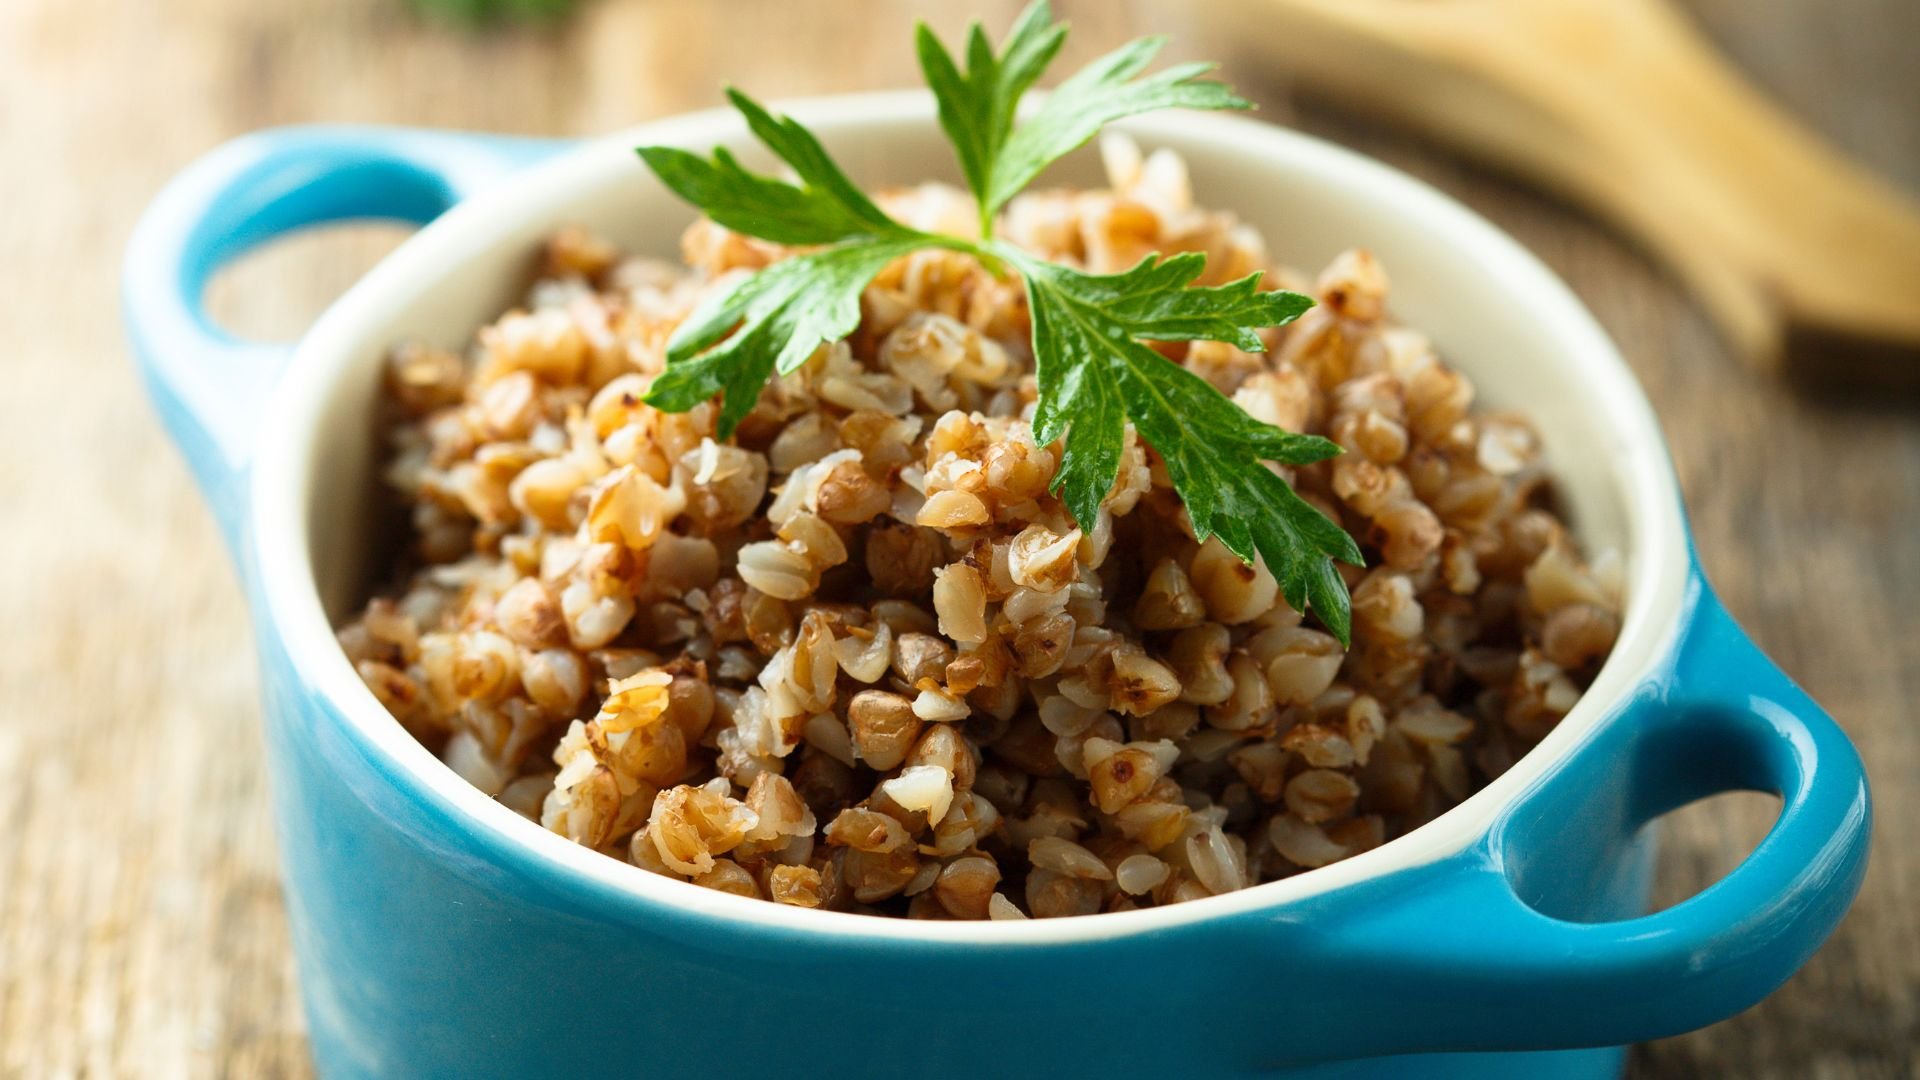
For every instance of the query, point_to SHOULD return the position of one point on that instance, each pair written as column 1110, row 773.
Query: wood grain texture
column 141, row 928
column 1626, row 108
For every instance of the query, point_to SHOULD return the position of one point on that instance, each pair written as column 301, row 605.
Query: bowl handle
column 210, row 387
column 1468, row 950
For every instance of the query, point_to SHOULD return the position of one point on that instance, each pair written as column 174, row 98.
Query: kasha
column 866, row 565
column 1146, row 699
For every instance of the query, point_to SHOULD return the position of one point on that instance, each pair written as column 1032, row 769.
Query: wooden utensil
column 1796, row 252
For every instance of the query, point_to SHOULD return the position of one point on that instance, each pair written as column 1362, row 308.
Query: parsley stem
column 980, row 249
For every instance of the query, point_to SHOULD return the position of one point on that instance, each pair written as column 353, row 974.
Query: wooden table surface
column 141, row 928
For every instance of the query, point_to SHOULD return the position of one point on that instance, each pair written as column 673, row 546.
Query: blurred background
column 141, row 927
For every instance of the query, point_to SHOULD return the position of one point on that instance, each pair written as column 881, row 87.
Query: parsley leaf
column 976, row 109
column 825, row 207
column 1097, row 96
column 1096, row 372
column 775, row 319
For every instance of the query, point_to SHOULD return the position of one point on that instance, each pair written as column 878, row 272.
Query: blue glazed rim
column 1694, row 688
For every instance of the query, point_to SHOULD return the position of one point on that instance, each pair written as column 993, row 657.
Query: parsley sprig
column 1095, row 370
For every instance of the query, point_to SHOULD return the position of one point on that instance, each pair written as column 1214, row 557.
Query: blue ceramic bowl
column 439, row 934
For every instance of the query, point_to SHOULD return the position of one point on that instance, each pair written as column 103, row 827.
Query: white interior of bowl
column 1493, row 310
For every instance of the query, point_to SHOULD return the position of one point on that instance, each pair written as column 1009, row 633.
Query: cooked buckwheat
column 861, row 659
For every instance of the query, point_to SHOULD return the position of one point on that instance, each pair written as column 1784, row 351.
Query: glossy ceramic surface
column 439, row 934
